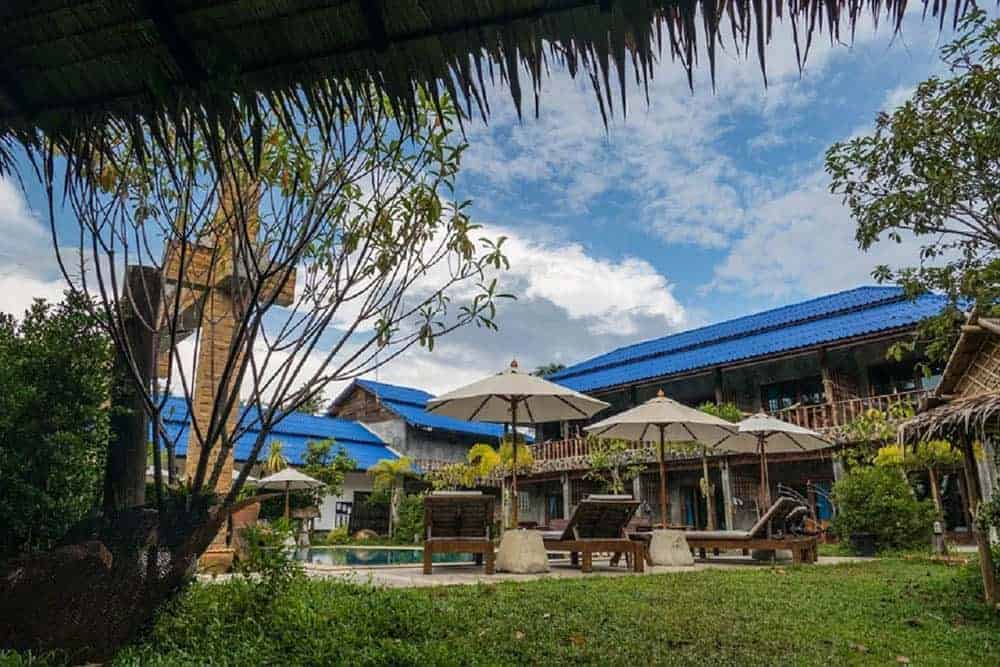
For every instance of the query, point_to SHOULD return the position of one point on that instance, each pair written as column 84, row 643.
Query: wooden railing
column 560, row 449
column 823, row 418
column 835, row 415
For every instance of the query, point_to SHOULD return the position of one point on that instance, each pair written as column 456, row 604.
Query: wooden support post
column 125, row 478
column 982, row 539
column 828, row 389
column 567, row 495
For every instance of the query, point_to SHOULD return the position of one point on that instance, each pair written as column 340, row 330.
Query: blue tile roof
column 294, row 431
column 410, row 403
column 856, row 312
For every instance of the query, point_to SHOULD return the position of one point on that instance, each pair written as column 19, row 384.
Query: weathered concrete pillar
column 838, row 470
column 727, row 493
column 637, row 488
column 567, row 494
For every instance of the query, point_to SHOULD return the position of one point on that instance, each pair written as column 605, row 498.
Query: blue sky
column 698, row 207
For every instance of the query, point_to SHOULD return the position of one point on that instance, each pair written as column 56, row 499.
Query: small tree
column 389, row 476
column 613, row 463
column 275, row 461
column 328, row 463
column 55, row 370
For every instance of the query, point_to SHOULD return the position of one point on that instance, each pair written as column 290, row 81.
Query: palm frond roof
column 70, row 69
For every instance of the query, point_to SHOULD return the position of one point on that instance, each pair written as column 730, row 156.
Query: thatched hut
column 965, row 409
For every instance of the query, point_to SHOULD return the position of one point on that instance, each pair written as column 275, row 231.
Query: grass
column 868, row 613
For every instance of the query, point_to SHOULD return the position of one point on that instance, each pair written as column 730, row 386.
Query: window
column 781, row 395
column 523, row 501
column 891, row 378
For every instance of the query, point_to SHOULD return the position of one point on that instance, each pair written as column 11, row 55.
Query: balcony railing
column 826, row 416
column 823, row 418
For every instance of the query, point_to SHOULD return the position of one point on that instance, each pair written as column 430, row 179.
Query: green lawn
column 869, row 613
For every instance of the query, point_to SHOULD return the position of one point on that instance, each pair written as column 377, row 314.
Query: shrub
column 880, row 501
column 411, row 520
column 267, row 556
column 339, row 535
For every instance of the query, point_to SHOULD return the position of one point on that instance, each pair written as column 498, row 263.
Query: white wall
column 353, row 481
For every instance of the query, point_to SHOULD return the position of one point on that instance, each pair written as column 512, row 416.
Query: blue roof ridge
column 570, row 373
column 367, row 384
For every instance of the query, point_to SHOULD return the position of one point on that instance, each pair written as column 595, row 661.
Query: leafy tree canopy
column 55, row 366
column 929, row 171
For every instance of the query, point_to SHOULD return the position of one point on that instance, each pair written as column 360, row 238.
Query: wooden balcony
column 825, row 417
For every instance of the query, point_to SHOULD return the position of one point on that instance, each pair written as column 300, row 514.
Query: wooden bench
column 458, row 523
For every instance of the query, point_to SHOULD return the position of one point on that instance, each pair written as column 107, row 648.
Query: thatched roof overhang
column 978, row 417
column 71, row 71
column 966, row 403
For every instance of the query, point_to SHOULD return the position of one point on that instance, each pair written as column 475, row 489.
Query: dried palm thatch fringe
column 978, row 416
column 75, row 73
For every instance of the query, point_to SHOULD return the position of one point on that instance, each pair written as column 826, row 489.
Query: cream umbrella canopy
column 289, row 480
column 662, row 419
column 512, row 397
column 776, row 436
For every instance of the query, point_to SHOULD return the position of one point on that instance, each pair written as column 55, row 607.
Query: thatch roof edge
column 209, row 61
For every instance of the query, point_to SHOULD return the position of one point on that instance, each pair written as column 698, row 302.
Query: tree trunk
column 125, row 470
column 394, row 501
column 935, row 490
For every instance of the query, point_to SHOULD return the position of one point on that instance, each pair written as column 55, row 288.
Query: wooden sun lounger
column 458, row 523
column 768, row 533
column 598, row 525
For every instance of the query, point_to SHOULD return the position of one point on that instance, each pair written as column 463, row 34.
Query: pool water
column 362, row 557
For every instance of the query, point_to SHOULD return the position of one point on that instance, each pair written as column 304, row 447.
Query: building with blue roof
column 398, row 414
column 294, row 432
column 819, row 363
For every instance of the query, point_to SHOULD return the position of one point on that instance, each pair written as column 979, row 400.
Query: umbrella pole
column 765, row 484
column 288, row 514
column 513, row 435
column 663, row 483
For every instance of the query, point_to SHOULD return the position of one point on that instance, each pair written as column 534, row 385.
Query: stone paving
column 452, row 574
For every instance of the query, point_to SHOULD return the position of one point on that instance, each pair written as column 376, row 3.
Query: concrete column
column 720, row 396
column 637, row 488
column 838, row 470
column 727, row 494
column 567, row 495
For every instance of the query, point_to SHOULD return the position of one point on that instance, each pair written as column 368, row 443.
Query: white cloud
column 802, row 243
column 26, row 264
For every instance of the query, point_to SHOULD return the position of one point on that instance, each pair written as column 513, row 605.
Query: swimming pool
column 369, row 557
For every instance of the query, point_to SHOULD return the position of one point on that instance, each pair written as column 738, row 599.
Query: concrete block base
column 522, row 552
column 668, row 547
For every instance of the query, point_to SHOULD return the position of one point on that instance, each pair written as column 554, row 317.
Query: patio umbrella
column 775, row 435
column 663, row 419
column 512, row 397
column 290, row 480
